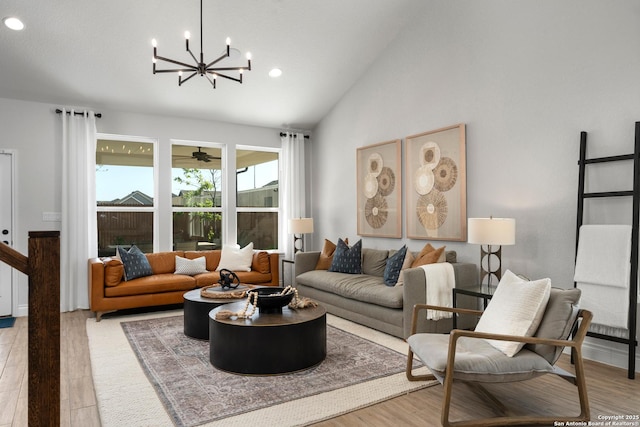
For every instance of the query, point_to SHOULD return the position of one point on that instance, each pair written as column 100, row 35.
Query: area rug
column 164, row 378
column 7, row 322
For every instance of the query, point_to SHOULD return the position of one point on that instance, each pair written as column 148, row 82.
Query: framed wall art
column 436, row 190
column 379, row 189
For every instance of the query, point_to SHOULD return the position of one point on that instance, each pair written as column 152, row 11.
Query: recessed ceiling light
column 276, row 72
column 13, row 23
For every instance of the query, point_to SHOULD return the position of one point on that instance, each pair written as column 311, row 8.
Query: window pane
column 124, row 173
column 125, row 229
column 261, row 228
column 257, row 173
column 197, row 176
column 193, row 231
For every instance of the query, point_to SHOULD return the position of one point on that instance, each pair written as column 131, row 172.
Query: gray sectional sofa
column 365, row 299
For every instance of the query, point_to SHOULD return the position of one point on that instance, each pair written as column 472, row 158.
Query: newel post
column 44, row 328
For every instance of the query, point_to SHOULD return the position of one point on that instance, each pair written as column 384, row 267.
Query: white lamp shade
column 301, row 225
column 491, row 231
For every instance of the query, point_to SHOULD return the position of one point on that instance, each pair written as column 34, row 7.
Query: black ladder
column 635, row 194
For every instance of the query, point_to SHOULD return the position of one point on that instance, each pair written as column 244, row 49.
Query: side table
column 479, row 291
column 293, row 270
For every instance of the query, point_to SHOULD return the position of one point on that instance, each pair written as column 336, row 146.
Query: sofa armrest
column 274, row 257
column 305, row 261
column 415, row 292
column 96, row 283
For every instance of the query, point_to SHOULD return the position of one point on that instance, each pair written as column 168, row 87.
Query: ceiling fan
column 201, row 156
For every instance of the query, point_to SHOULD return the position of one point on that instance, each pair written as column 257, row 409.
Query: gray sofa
column 365, row 299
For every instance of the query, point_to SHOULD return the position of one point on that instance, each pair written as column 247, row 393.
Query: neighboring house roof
column 135, row 198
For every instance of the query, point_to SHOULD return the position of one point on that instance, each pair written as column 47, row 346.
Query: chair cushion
column 476, row 359
column 557, row 322
column 516, row 308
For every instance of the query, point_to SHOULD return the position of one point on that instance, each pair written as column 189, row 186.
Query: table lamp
column 300, row 226
column 491, row 231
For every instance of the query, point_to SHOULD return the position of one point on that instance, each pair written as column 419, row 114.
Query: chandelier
column 209, row 70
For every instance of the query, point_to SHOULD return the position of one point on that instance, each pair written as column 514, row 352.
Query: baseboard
column 607, row 352
column 21, row 311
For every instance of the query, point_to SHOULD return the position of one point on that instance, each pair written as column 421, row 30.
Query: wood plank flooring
column 610, row 392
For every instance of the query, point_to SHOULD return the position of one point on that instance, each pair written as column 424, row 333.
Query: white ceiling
column 97, row 54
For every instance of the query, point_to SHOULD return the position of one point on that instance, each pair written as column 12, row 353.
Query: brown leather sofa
column 108, row 291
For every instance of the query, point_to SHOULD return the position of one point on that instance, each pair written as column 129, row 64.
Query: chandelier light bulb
column 249, row 56
column 154, row 60
column 228, row 41
column 179, row 73
column 154, row 43
column 187, row 35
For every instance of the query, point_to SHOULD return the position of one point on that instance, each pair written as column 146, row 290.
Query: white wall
column 525, row 77
column 33, row 130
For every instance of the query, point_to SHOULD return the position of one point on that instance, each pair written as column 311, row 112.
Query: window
column 257, row 198
column 196, row 197
column 124, row 194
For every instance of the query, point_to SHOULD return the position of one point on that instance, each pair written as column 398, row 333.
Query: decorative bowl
column 269, row 301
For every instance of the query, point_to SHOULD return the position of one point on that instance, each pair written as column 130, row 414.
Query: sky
column 115, row 182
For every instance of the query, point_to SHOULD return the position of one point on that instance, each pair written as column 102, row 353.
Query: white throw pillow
column 235, row 259
column 191, row 267
column 516, row 308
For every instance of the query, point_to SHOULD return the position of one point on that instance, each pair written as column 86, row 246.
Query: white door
column 6, row 209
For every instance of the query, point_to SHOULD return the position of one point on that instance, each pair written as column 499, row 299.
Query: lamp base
column 297, row 249
column 488, row 272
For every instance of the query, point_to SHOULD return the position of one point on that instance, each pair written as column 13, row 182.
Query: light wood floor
column 610, row 392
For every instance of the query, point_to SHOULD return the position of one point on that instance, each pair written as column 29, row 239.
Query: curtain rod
column 77, row 113
column 295, row 135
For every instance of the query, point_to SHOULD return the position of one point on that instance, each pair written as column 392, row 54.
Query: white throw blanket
column 603, row 264
column 440, row 281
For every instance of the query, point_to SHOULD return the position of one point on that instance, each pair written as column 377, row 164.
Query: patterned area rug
column 357, row 372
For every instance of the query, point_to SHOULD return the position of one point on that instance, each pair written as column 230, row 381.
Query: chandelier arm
column 239, row 80
column 191, row 67
column 177, row 70
column 215, row 61
column 180, row 80
column 228, row 69
column 212, row 81
column 193, row 56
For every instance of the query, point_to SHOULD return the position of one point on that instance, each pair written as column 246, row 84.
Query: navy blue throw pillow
column 347, row 259
column 394, row 266
column 135, row 263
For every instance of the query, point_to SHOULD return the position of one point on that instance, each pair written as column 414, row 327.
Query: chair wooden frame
column 507, row 420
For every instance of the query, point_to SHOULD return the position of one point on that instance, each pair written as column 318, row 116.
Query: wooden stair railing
column 43, row 268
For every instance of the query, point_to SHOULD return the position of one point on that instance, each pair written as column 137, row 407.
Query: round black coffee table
column 196, row 312
column 268, row 344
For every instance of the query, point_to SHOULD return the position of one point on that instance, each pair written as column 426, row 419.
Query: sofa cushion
column 374, row 261
column 212, row 257
column 135, row 263
column 253, row 277
column 191, row 267
column 235, row 258
column 347, row 259
column 260, row 262
column 361, row 287
column 157, row 283
column 394, row 266
column 163, row 262
column 557, row 322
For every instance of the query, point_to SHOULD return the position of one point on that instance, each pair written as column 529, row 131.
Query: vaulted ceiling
column 98, row 54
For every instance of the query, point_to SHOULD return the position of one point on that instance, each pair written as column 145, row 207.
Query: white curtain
column 78, row 235
column 293, row 185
